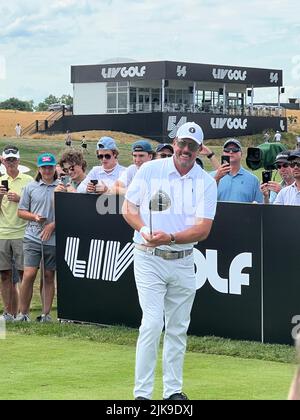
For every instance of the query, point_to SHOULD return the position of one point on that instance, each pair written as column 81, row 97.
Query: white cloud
column 40, row 41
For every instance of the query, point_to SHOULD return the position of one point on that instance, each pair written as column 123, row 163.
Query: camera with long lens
column 264, row 156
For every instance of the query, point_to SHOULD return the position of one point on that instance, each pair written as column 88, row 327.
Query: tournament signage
column 160, row 70
column 96, row 280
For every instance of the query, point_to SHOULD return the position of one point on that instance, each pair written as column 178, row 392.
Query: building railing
column 248, row 111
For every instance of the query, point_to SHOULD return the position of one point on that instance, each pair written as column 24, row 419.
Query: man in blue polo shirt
column 236, row 184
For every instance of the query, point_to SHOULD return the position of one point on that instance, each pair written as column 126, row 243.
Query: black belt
column 166, row 255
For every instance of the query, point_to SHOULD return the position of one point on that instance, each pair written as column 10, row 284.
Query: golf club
column 159, row 202
column 42, row 268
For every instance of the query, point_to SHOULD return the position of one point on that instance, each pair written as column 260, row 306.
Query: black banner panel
column 163, row 126
column 95, row 281
column 229, row 264
column 247, row 270
column 160, row 70
column 281, row 280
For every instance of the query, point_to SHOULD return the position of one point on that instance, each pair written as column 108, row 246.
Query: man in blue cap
column 141, row 153
column 101, row 178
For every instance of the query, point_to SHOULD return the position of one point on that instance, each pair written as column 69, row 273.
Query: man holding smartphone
column 236, row 184
column 11, row 229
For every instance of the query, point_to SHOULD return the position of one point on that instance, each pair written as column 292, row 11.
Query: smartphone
column 266, row 176
column 94, row 181
column 5, row 184
column 225, row 159
column 65, row 179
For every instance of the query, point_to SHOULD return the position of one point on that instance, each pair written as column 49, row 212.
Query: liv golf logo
column 107, row 262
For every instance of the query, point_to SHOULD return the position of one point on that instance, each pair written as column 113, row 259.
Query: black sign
column 163, row 126
column 247, row 279
column 176, row 71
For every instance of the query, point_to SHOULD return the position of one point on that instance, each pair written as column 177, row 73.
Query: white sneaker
column 7, row 317
column 44, row 318
column 23, row 318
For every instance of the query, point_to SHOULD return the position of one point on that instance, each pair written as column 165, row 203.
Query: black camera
column 94, row 181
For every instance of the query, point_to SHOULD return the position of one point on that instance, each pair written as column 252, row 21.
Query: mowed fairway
column 35, row 367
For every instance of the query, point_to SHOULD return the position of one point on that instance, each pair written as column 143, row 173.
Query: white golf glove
column 146, row 231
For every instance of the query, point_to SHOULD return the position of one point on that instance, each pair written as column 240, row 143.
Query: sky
column 39, row 40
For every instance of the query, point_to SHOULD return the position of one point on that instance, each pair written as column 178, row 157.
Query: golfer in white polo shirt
column 164, row 263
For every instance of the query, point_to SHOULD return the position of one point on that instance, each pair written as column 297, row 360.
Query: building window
column 117, row 97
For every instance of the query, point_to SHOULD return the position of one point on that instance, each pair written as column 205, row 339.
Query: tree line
column 19, row 105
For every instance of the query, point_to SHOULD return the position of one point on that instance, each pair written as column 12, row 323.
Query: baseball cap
column 282, row 157
column 11, row 152
column 107, row 143
column 233, row 141
column 294, row 155
column 142, row 146
column 164, row 146
column 46, row 159
column 191, row 130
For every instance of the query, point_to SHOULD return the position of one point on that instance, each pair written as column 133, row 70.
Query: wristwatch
column 210, row 155
column 173, row 239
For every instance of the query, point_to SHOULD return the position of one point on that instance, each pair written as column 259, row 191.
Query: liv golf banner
column 96, row 280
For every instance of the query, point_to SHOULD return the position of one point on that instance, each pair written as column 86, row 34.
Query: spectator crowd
column 27, row 223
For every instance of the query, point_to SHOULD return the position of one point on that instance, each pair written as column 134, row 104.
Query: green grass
column 44, row 367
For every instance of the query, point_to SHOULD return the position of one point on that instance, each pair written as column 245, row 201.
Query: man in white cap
column 171, row 205
column 11, row 230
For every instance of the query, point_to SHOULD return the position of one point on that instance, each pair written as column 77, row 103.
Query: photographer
column 290, row 196
column 272, row 188
column 73, row 167
column 101, row 178
column 11, row 231
column 236, row 184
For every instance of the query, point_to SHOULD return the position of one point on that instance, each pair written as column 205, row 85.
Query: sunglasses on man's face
column 192, row 146
column 165, row 155
column 295, row 164
column 70, row 168
column 106, row 156
column 282, row 165
column 232, row 149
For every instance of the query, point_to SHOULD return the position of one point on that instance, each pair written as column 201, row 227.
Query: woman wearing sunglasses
column 101, row 178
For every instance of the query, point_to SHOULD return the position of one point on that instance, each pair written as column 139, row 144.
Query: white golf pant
column 166, row 290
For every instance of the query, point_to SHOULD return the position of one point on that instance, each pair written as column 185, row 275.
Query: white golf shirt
column 97, row 172
column 193, row 196
column 289, row 196
column 128, row 175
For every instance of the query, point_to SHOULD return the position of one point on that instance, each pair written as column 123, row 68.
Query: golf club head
column 160, row 201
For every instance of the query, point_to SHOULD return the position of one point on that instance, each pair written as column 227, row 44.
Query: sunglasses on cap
column 106, row 156
column 282, row 165
column 8, row 151
column 232, row 149
column 295, row 164
column 192, row 146
column 165, row 155
column 70, row 168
